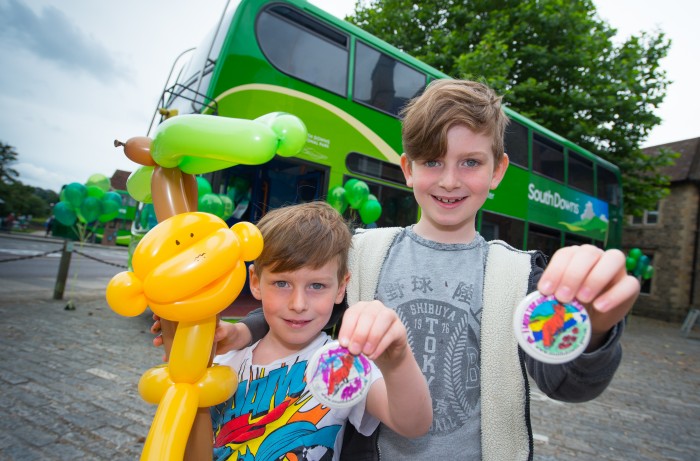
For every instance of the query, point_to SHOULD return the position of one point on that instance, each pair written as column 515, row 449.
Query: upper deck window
column 581, row 173
column 304, row 48
column 547, row 157
column 516, row 143
column 383, row 82
column 608, row 186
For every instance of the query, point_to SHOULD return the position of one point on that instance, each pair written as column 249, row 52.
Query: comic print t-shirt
column 273, row 415
column 436, row 290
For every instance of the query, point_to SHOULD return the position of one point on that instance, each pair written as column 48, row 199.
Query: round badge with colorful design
column 550, row 331
column 337, row 378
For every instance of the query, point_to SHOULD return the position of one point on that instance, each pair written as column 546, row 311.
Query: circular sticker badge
column 337, row 378
column 550, row 331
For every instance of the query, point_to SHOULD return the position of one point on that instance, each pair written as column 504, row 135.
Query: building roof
column 118, row 180
column 687, row 166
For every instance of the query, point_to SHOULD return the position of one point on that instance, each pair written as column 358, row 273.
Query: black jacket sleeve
column 584, row 378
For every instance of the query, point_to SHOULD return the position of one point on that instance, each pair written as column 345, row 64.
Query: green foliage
column 7, row 157
column 555, row 62
column 19, row 198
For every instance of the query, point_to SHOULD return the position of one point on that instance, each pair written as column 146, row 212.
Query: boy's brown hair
column 304, row 235
column 444, row 104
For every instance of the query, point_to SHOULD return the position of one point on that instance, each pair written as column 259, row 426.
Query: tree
column 17, row 197
column 555, row 62
column 7, row 157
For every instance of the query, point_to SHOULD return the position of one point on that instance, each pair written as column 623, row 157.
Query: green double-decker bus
column 348, row 88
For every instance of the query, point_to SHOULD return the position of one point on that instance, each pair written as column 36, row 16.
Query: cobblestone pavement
column 69, row 391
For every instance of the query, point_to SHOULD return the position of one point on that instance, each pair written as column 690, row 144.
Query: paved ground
column 68, row 388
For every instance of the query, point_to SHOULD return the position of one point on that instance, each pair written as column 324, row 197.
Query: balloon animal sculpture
column 190, row 266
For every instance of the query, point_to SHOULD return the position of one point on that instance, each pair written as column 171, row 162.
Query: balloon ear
column 250, row 238
column 138, row 149
column 125, row 295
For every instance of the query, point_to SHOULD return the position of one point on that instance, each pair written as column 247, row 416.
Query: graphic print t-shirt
column 273, row 415
column 436, row 290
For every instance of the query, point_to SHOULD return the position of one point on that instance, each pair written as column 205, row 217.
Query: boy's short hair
column 304, row 235
column 444, row 104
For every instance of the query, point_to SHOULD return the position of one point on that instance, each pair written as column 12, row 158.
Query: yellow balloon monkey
column 190, row 266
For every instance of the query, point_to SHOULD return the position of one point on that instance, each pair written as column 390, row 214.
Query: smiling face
column 451, row 189
column 297, row 304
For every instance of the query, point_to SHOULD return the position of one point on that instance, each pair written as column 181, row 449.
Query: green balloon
column 356, row 193
column 211, row 203
column 336, row 199
column 371, row 211
column 111, row 203
column 138, row 184
column 635, row 253
column 630, row 263
column 198, row 143
column 64, row 213
column 641, row 266
column 289, row 129
column 112, row 197
column 203, row 186
column 228, row 206
column 90, row 209
column 350, row 183
column 74, row 193
column 100, row 181
column 94, row 191
column 147, row 217
column 648, row 273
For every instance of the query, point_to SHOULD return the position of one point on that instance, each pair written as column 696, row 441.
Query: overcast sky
column 77, row 74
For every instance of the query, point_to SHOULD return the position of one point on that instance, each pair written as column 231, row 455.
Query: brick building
column 670, row 236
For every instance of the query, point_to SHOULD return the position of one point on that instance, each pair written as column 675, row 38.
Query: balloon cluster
column 87, row 202
column 638, row 264
column 355, row 194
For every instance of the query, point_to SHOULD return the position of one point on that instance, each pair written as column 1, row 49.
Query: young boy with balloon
column 283, row 405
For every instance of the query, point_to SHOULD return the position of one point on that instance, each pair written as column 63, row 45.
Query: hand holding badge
column 551, row 331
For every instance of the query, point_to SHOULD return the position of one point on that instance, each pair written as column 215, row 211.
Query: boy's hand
column 596, row 278
column 228, row 336
column 231, row 337
column 376, row 331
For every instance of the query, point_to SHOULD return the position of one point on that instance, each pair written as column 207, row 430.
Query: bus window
column 516, row 143
column 608, row 186
column 368, row 166
column 544, row 239
column 304, row 48
column 581, row 173
column 547, row 157
column 499, row 227
column 382, row 82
